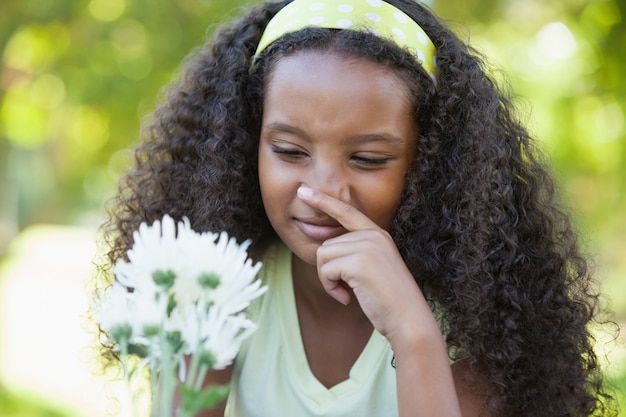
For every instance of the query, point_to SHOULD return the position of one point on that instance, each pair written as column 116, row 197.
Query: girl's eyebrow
column 367, row 137
column 377, row 137
column 285, row 128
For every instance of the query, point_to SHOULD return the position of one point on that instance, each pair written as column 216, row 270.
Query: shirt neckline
column 297, row 362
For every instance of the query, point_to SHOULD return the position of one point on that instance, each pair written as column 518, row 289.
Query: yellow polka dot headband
column 374, row 16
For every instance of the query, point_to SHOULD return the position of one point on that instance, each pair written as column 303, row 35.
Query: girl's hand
column 367, row 261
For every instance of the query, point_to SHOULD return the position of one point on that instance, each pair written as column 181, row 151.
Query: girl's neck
column 333, row 335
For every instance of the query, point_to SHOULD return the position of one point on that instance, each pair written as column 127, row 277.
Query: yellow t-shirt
column 271, row 375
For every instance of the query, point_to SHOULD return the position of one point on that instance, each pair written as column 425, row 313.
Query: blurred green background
column 77, row 77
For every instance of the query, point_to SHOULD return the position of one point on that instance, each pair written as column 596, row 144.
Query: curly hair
column 479, row 225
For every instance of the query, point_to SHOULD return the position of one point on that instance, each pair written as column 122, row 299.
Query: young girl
column 417, row 261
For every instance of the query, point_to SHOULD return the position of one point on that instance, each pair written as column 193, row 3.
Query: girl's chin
column 310, row 260
column 303, row 248
column 305, row 258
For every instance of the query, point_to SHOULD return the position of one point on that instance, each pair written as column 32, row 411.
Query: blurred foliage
column 566, row 56
column 19, row 405
column 76, row 77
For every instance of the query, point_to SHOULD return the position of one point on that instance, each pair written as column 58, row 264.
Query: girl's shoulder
column 275, row 271
column 276, row 262
column 472, row 389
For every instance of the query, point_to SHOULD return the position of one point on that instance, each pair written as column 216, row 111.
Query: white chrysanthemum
column 137, row 310
column 238, row 289
column 222, row 336
column 149, row 313
column 180, row 282
column 209, row 328
column 198, row 249
column 188, row 320
column 237, row 286
column 180, row 293
column 218, row 334
column 115, row 309
column 220, row 260
column 154, row 249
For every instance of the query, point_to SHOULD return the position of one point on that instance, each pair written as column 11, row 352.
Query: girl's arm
column 426, row 383
column 367, row 260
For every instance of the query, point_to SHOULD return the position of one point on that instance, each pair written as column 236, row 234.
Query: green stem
column 193, row 370
column 127, row 375
column 162, row 379
column 167, row 379
column 154, row 383
column 200, row 378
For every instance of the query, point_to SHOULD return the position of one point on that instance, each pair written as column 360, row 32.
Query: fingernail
column 305, row 192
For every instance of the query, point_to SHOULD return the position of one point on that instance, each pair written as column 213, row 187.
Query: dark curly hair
column 478, row 226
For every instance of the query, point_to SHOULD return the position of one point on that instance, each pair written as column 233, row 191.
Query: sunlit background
column 77, row 76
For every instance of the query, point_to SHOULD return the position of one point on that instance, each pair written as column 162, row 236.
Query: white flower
column 208, row 332
column 173, row 270
column 115, row 310
column 236, row 288
column 134, row 312
column 198, row 250
column 223, row 335
column 213, row 332
column 181, row 293
column 154, row 249
column 219, row 271
column 149, row 312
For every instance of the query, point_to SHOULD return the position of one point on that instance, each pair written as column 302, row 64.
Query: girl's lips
column 320, row 230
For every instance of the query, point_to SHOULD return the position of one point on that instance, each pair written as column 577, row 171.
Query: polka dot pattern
column 373, row 16
column 344, row 23
column 398, row 33
column 401, row 17
column 421, row 36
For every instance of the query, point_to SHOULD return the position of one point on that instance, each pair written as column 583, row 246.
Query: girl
column 417, row 260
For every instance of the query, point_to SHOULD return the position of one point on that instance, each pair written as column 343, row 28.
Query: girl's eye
column 372, row 162
column 290, row 154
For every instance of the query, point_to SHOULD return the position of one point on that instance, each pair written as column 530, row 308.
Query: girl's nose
column 331, row 179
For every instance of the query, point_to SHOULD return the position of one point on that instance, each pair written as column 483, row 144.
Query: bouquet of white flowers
column 178, row 303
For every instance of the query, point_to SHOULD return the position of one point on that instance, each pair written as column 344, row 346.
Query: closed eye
column 288, row 153
column 361, row 160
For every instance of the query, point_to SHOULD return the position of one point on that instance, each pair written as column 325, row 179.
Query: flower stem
column 167, row 381
column 193, row 370
column 200, row 377
column 162, row 376
column 127, row 374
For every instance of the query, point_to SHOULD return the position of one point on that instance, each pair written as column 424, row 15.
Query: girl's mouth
column 319, row 229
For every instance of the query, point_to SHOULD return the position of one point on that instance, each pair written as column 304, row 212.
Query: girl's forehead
column 311, row 66
column 326, row 93
column 357, row 83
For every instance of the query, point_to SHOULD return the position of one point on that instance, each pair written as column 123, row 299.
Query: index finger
column 348, row 216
